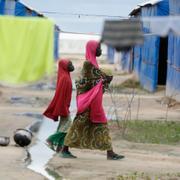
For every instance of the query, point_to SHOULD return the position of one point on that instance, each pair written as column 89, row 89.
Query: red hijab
column 60, row 103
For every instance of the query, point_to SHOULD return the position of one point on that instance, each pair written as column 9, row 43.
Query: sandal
column 115, row 157
column 50, row 145
column 58, row 149
column 67, row 154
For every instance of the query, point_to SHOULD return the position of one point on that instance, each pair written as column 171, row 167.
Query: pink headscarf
column 92, row 99
column 91, row 47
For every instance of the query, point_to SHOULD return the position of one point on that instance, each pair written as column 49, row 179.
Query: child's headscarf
column 60, row 103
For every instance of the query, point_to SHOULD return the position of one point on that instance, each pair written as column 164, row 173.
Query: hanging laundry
column 26, row 49
column 122, row 34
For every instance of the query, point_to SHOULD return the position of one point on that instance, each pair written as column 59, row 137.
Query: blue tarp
column 126, row 61
column 137, row 60
column 174, row 7
column 130, row 63
column 148, row 54
column 149, row 63
column 173, row 77
column 110, row 54
column 16, row 8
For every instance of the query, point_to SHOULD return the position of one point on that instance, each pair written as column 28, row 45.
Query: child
column 59, row 106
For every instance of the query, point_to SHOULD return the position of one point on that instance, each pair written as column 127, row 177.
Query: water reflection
column 40, row 153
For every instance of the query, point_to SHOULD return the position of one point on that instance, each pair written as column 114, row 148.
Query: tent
column 16, row 8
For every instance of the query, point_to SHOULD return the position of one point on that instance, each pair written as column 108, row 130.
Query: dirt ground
column 150, row 159
column 12, row 166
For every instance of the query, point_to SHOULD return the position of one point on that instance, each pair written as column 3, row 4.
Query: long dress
column 83, row 133
column 59, row 106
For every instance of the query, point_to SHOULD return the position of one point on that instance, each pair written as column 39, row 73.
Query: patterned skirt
column 87, row 135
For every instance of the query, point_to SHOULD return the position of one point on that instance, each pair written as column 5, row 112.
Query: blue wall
column 173, row 76
column 146, row 57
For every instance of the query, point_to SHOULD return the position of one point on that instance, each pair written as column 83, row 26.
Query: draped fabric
column 26, row 49
column 60, row 103
column 91, row 47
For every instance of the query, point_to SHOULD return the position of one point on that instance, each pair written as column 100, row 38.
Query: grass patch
column 127, row 86
column 158, row 132
column 131, row 83
column 145, row 176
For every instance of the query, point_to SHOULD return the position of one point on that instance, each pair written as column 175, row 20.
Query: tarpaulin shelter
column 17, row 8
column 158, row 60
column 150, row 59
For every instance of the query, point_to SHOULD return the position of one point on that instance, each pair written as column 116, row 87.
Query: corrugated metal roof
column 151, row 2
column 139, row 6
column 39, row 14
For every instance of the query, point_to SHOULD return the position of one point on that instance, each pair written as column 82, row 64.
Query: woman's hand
column 109, row 78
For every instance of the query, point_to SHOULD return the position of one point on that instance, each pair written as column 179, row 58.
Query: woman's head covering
column 91, row 47
column 60, row 103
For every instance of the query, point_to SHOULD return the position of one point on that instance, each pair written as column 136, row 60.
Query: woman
column 59, row 106
column 89, row 129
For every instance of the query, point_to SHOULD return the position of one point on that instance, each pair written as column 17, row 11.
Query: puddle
column 40, row 154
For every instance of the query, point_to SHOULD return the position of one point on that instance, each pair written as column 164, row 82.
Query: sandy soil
column 13, row 166
column 147, row 158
